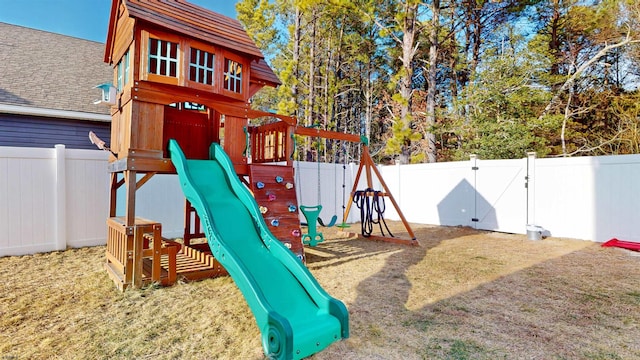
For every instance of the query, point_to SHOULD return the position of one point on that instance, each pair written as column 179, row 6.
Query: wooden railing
column 129, row 247
column 120, row 251
column 271, row 143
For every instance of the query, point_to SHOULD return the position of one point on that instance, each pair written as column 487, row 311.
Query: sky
column 85, row 19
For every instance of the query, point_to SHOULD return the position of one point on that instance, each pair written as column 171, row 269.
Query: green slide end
column 296, row 316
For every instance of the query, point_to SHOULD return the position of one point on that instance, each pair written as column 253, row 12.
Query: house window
column 163, row 57
column 123, row 72
column 201, row 66
column 233, row 76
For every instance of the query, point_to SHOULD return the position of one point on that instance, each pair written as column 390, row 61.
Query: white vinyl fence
column 51, row 199
column 590, row 198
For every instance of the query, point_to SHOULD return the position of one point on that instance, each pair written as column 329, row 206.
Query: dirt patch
column 463, row 294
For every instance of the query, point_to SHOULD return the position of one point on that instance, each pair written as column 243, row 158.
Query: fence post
column 399, row 189
column 530, row 184
column 473, row 160
column 60, row 216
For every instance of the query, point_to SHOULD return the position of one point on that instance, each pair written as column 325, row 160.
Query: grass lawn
column 463, row 294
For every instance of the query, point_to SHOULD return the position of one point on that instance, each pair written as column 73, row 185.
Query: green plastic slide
column 296, row 317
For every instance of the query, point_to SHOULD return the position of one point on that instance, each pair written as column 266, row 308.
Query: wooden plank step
column 193, row 264
column 147, row 268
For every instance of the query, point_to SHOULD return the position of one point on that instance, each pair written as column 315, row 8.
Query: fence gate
column 500, row 202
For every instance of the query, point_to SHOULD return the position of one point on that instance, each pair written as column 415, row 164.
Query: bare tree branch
column 571, row 80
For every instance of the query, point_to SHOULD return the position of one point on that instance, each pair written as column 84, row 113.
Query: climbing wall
column 274, row 190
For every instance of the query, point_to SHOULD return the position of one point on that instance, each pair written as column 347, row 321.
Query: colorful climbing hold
column 271, row 197
column 292, row 208
column 260, row 185
column 279, row 179
column 289, row 186
column 275, row 222
column 296, row 232
column 263, row 209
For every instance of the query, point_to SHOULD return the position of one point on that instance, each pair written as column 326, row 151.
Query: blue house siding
column 42, row 132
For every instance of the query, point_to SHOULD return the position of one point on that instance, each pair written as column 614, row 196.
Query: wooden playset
column 186, row 73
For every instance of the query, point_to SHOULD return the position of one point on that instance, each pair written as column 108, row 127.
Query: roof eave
column 53, row 113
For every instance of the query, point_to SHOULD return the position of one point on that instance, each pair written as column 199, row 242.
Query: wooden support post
column 129, row 263
column 134, row 240
column 289, row 145
column 138, row 239
column 353, row 191
column 130, row 197
column 113, row 194
column 144, row 179
column 393, row 200
column 367, row 163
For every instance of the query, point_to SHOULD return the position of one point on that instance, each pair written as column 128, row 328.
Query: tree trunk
column 311, row 85
column 554, row 42
column 408, row 53
column 296, row 59
column 432, row 77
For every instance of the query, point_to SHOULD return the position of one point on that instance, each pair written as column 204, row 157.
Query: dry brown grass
column 463, row 294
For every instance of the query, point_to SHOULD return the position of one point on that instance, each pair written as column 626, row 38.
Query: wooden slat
column 116, row 276
column 114, row 262
column 123, row 39
column 235, row 145
column 146, row 126
column 194, row 265
column 142, row 164
column 166, row 94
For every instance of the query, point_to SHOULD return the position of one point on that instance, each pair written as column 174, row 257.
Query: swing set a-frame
column 369, row 196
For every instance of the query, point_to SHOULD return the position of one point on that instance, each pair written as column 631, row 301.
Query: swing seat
column 331, row 223
column 311, row 214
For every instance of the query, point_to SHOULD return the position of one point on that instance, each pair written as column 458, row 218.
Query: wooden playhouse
column 184, row 72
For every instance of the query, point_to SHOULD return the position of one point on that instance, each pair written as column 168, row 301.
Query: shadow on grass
column 537, row 301
column 342, row 251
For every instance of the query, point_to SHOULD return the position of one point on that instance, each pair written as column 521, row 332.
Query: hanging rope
column 369, row 205
column 334, row 218
column 319, row 182
column 344, row 188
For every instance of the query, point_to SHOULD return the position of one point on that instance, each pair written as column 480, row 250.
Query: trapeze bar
column 371, row 193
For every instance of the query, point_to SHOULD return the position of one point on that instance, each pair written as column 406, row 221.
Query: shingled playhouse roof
column 194, row 21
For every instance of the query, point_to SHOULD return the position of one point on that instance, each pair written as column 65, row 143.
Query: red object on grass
column 629, row 245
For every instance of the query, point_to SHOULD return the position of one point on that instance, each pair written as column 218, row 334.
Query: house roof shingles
column 45, row 70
